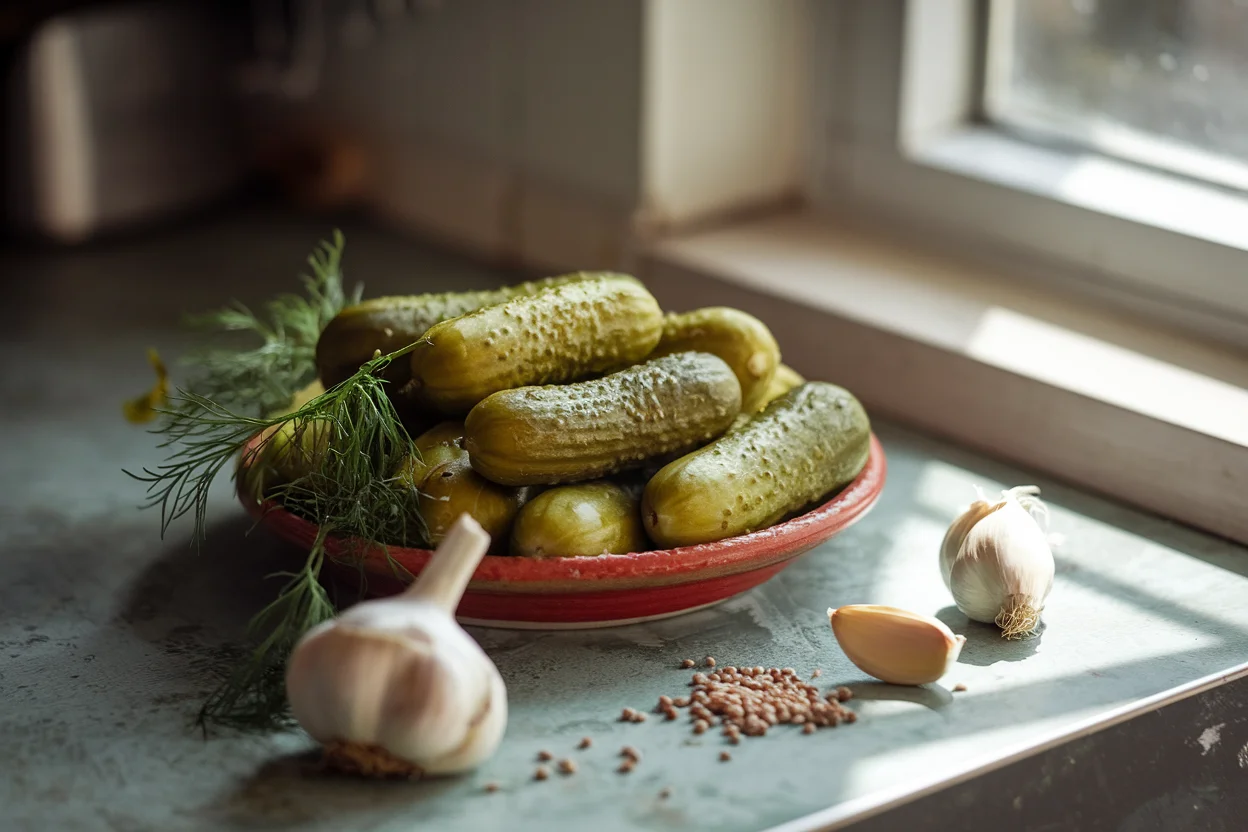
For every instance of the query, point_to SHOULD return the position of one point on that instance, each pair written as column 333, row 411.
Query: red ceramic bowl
column 606, row 590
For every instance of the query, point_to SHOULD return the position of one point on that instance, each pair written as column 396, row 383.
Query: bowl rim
column 654, row 567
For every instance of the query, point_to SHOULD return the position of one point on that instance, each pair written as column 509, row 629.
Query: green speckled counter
column 109, row 637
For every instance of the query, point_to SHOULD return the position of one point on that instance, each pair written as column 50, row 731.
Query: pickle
column 390, row 323
column 810, row 442
column 441, row 443
column 284, row 453
column 592, row 518
column 785, row 379
column 742, row 340
column 557, row 434
column 558, row 335
column 452, row 488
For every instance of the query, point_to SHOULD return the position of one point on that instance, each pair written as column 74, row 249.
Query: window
column 1159, row 82
column 1097, row 144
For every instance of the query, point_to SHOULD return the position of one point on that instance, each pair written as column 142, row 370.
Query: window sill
column 1154, row 418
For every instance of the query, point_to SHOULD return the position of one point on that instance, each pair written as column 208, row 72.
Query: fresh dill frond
column 262, row 379
column 349, row 489
column 253, row 694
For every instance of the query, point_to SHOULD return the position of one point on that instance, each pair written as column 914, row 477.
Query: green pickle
column 592, row 518
column 740, row 339
column 557, row 335
column 810, row 442
column 568, row 433
column 452, row 488
column 387, row 324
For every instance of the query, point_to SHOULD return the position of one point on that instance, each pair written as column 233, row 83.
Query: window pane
column 1162, row 82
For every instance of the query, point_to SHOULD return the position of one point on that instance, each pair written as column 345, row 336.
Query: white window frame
column 897, row 137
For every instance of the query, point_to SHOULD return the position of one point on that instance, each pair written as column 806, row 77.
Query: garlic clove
column 895, row 645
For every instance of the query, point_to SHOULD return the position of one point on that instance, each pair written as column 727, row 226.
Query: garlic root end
column 1018, row 618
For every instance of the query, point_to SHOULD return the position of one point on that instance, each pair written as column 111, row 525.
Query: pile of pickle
column 571, row 417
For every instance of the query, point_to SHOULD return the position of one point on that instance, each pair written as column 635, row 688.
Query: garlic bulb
column 997, row 563
column 895, row 645
column 395, row 686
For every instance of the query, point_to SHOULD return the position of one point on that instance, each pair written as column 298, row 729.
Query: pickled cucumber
column 583, row 431
column 808, row 443
column 785, row 379
column 557, row 335
column 391, row 323
column 592, row 518
column 742, row 340
column 283, row 453
column 453, row 488
column 441, row 443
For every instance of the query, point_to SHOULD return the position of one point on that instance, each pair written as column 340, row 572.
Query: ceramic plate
column 606, row 590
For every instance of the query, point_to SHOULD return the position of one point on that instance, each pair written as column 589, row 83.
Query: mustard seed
column 626, row 767
column 809, row 728
column 816, row 673
column 541, row 773
column 710, row 661
column 585, row 742
column 959, row 688
column 844, row 694
column 681, row 701
column 724, row 756
column 545, row 756
column 491, row 787
column 687, row 663
column 700, row 726
column 567, row 767
column 631, row 753
column 666, row 793
column 627, row 715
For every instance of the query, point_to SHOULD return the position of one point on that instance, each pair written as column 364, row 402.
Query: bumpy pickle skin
column 740, row 339
column 558, row 434
column 557, row 335
column 391, row 323
column 810, row 442
column 581, row 520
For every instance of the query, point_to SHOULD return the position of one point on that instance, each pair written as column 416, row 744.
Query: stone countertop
column 109, row 637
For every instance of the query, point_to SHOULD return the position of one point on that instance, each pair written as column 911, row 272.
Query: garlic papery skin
column 1001, row 570
column 895, row 645
column 395, row 685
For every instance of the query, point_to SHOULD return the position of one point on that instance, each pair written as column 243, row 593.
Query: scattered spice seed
column 750, row 700
column 959, row 688
column 491, row 787
column 710, row 661
column 631, row 753
column 816, row 673
column 567, row 767
column 809, row 728
column 724, row 756
column 688, row 663
column 638, row 716
column 665, row 701
column 735, row 739
column 670, row 714
column 850, row 716
column 627, row 715
column 545, row 756
column 585, row 742
column 541, row 774
column 666, row 793
column 626, row 766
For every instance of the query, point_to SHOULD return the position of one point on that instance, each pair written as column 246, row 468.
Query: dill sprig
column 349, row 489
column 262, row 379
